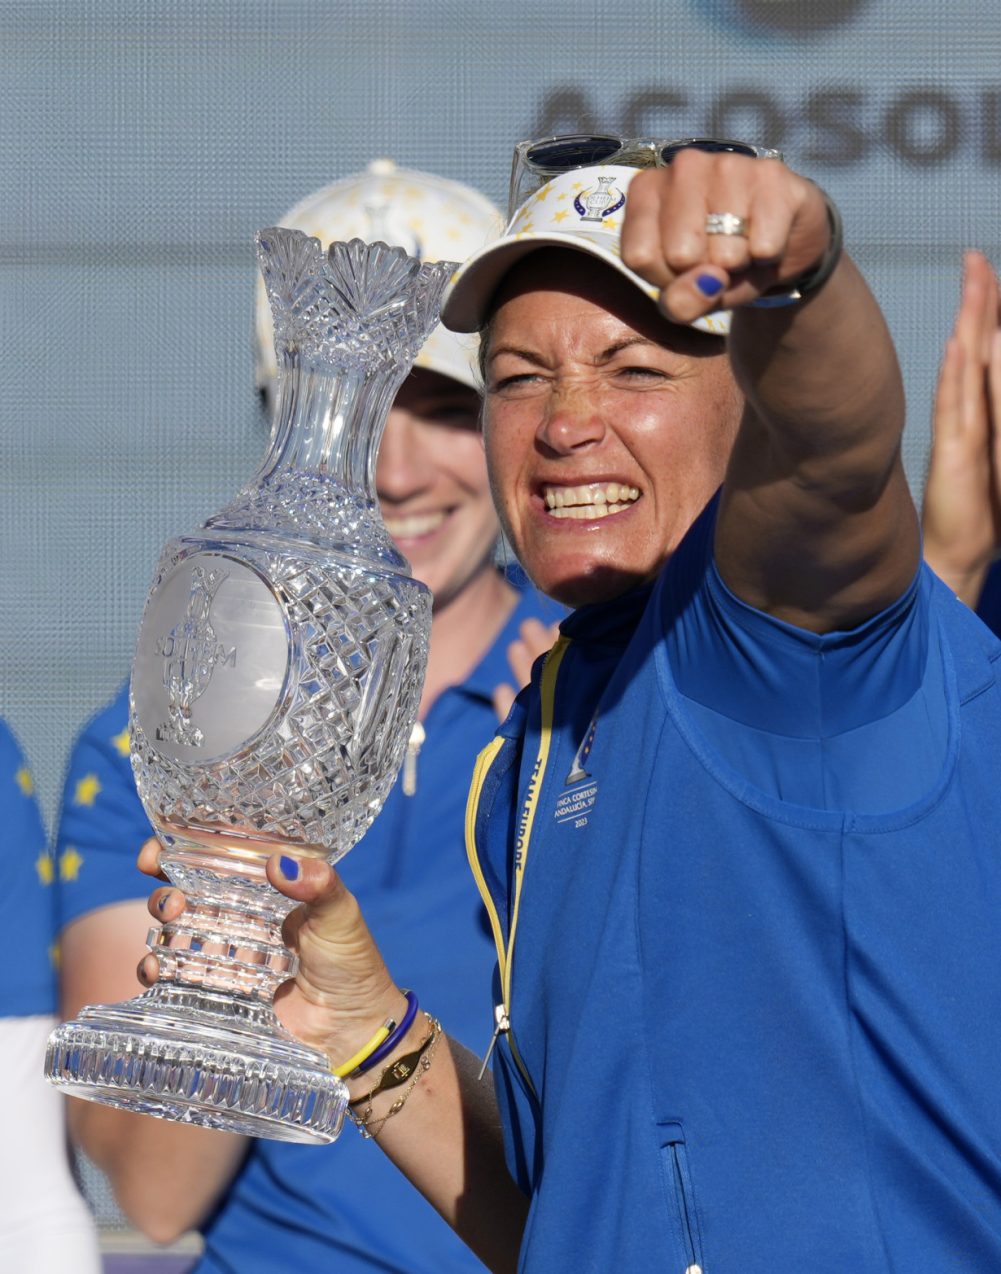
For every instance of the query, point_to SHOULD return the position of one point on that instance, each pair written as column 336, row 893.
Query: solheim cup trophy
column 276, row 680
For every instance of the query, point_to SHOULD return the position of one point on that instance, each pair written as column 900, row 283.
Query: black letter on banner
column 767, row 128
column 836, row 113
column 564, row 110
column 924, row 102
column 991, row 114
column 646, row 111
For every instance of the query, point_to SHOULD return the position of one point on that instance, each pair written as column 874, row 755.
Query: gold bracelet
column 397, row 1072
column 412, row 1064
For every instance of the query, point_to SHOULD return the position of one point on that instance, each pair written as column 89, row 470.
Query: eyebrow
column 605, row 356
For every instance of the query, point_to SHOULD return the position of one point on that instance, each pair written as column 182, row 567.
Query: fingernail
column 709, row 285
column 289, row 866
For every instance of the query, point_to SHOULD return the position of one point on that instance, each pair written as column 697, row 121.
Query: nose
column 572, row 419
column 404, row 468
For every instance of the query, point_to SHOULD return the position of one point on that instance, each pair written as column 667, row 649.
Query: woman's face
column 607, row 428
column 431, row 479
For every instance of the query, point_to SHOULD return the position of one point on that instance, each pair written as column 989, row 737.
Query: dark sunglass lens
column 708, row 144
column 573, row 152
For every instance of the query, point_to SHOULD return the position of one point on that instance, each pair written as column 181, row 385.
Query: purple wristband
column 391, row 1041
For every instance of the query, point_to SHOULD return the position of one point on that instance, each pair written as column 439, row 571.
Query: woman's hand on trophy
column 342, row 990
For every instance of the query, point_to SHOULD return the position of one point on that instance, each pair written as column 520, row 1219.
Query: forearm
column 817, row 524
column 166, row 1177
column 447, row 1141
column 446, row 1136
column 822, row 379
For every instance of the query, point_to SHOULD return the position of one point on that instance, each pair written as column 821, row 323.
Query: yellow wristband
column 366, row 1051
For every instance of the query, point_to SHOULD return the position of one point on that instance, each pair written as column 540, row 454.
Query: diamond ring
column 725, row 223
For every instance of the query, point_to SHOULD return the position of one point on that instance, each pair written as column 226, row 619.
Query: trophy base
column 199, row 1057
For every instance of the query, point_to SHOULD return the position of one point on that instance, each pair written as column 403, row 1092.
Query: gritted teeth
column 594, row 500
column 415, row 525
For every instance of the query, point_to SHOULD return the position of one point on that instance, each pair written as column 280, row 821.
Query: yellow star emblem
column 561, row 215
column 120, row 742
column 563, row 197
column 578, row 185
column 87, row 790
column 24, row 780
column 45, row 868
column 542, row 195
column 70, row 862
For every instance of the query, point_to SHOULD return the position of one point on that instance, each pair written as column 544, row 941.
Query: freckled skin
column 586, row 382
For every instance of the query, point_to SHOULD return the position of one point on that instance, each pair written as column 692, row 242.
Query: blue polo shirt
column 27, row 875
column 342, row 1207
column 746, row 883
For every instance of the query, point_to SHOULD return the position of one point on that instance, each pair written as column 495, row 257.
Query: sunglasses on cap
column 537, row 162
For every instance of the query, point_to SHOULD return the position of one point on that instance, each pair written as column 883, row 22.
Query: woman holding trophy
column 739, row 841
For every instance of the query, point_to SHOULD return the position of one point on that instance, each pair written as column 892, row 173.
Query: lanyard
column 523, row 836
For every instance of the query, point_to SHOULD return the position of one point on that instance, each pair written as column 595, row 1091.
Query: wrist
column 813, row 279
column 358, row 1084
column 336, row 1028
column 386, row 1096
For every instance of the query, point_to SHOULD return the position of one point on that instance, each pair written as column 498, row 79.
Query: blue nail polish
column 162, row 903
column 708, row 285
column 290, row 868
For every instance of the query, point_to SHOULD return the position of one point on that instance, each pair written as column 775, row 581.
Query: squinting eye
column 512, row 382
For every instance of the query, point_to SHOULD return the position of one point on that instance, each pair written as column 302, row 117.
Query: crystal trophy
column 276, row 680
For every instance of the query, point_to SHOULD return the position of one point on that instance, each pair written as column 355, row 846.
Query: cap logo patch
column 597, row 202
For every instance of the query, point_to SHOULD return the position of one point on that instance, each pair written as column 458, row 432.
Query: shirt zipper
column 502, row 1027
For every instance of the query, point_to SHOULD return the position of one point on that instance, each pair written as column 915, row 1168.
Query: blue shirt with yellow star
column 101, row 822
column 27, row 902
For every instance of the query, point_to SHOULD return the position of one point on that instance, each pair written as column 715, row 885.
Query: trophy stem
column 203, row 1045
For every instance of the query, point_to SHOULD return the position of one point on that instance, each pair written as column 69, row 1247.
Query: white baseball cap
column 433, row 218
column 580, row 209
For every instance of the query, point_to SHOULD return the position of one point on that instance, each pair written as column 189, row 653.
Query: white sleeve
column 45, row 1225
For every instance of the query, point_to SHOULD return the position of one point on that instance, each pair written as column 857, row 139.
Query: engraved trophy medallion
column 276, row 679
